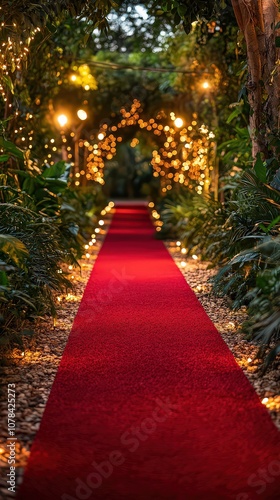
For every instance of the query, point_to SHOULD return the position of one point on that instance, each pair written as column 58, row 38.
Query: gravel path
column 34, row 372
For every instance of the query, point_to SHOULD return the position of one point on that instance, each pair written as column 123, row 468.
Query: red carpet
column 148, row 402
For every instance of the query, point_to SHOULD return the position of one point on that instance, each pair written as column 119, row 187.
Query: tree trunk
column 257, row 20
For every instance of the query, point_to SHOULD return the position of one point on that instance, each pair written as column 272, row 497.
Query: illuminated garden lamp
column 62, row 120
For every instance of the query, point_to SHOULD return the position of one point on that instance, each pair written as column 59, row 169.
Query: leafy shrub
column 200, row 224
column 44, row 222
column 241, row 236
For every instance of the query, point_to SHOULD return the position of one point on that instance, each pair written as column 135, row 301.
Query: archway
column 181, row 153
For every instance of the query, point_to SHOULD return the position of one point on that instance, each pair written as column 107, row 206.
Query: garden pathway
column 148, row 402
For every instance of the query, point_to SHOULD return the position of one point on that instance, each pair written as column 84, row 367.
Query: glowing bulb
column 111, row 204
column 178, row 122
column 249, row 360
column 87, row 255
column 151, row 204
column 264, row 401
column 183, row 263
column 82, row 114
column 101, row 223
column 62, row 120
column 195, row 257
column 206, row 85
column 101, row 136
column 184, row 250
column 178, row 243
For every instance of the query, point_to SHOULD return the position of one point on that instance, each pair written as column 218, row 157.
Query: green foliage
column 237, row 150
column 189, row 12
column 31, row 251
column 44, row 223
column 241, row 235
column 264, row 303
column 200, row 224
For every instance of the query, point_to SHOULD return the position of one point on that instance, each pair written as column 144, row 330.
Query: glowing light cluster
column 185, row 156
column 14, row 51
column 108, row 138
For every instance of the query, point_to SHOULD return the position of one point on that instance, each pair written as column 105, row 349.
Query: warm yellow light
column 264, row 401
column 195, row 257
column 73, row 78
column 82, row 114
column 62, row 120
column 178, row 122
column 101, row 136
column 206, row 85
column 178, row 243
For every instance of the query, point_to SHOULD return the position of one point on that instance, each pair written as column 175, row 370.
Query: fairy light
column 14, row 51
column 188, row 166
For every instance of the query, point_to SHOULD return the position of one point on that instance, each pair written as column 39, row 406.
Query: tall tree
column 259, row 22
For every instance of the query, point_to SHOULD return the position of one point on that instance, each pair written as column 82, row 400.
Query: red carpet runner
column 148, row 402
